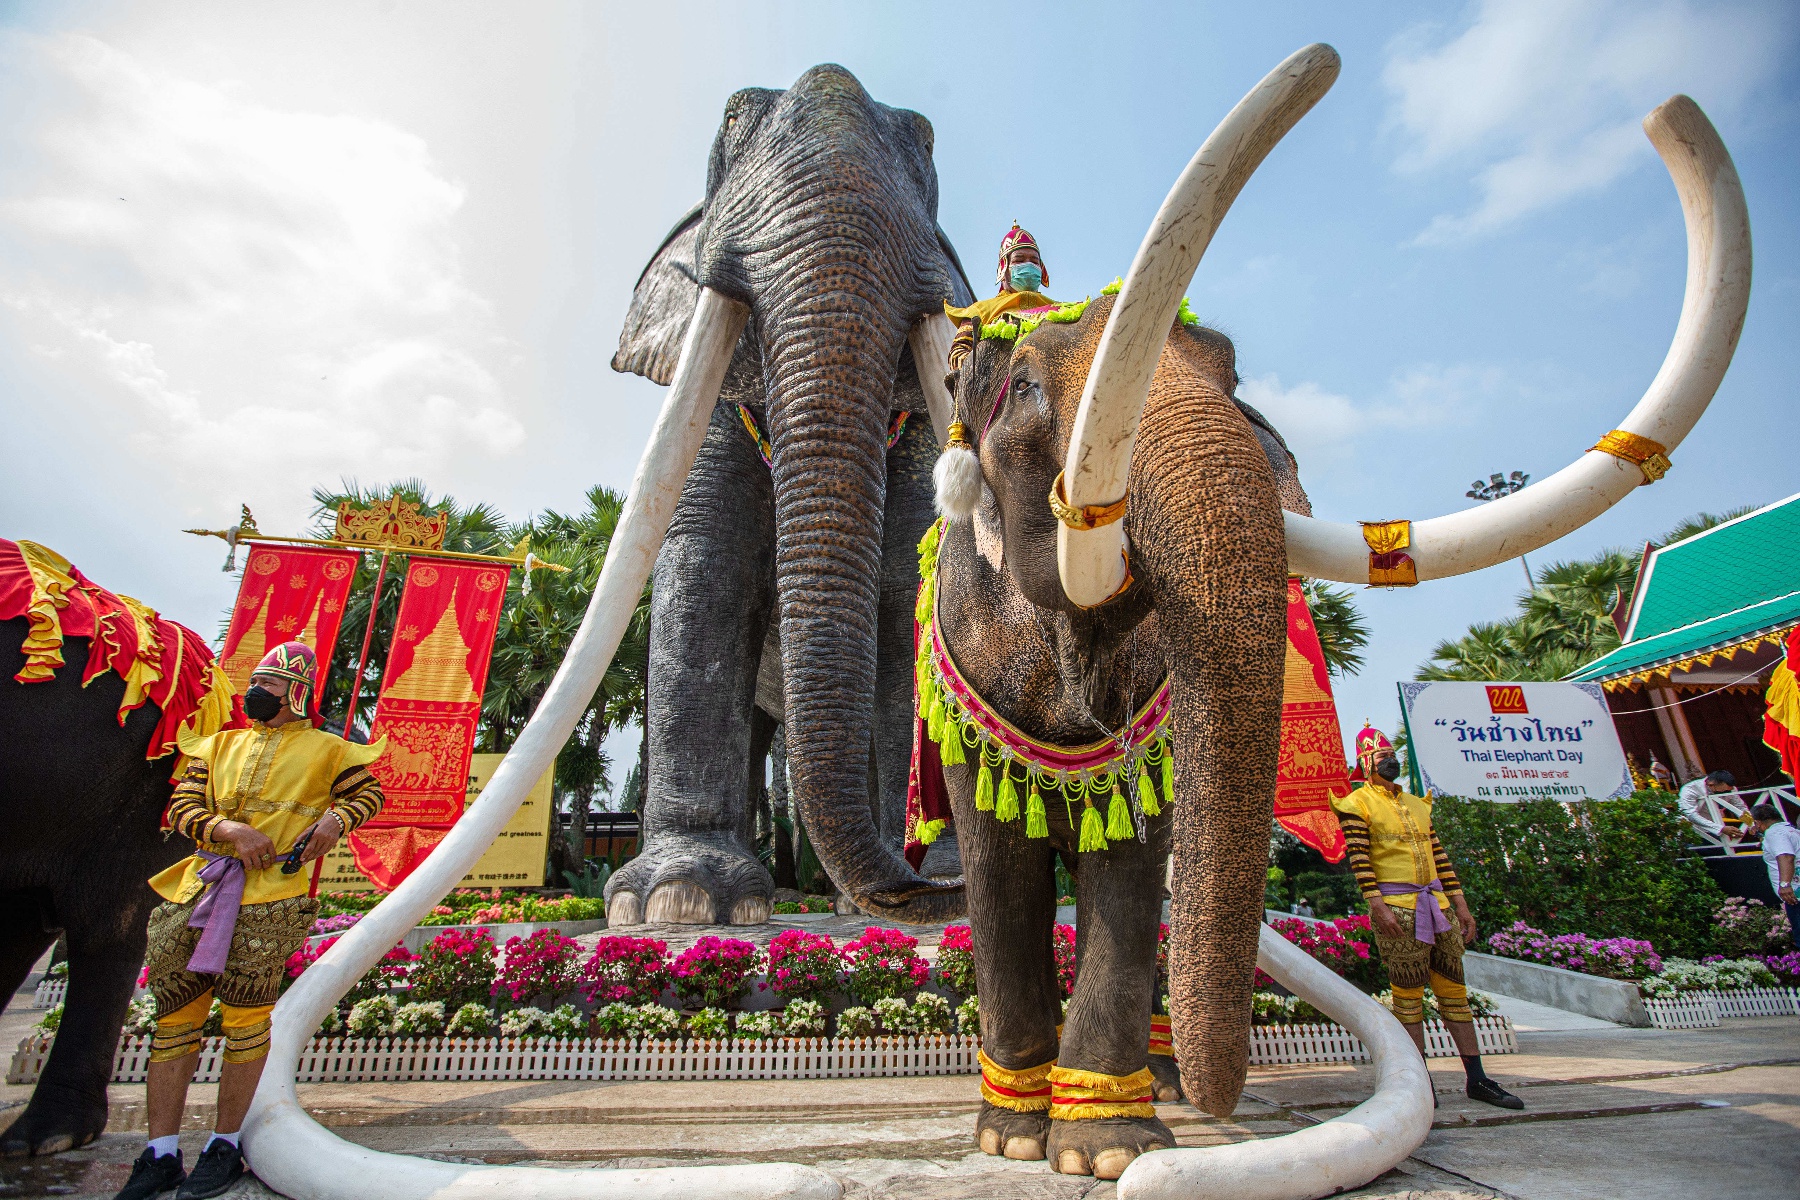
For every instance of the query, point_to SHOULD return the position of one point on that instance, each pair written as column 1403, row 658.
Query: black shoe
column 151, row 1174
column 1484, row 1090
column 220, row 1165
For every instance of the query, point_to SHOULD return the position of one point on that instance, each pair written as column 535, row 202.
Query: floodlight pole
column 1493, row 488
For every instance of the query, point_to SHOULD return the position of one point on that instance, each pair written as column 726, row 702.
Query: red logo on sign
column 1507, row 698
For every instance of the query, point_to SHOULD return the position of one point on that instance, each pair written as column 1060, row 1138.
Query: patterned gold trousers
column 1411, row 964
column 266, row 936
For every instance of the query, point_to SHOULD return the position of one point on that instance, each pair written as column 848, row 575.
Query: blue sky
column 249, row 249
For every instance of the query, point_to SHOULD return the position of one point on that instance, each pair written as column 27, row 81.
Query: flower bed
column 1611, row 958
column 465, row 906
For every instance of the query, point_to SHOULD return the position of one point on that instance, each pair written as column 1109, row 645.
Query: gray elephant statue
column 791, row 557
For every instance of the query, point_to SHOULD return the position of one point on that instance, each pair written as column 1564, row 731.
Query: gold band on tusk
column 1389, row 564
column 1648, row 456
column 1090, row 516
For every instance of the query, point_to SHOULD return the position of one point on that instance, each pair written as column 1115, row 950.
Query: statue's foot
column 1165, row 1078
column 1104, row 1146
column 54, row 1121
column 685, row 881
column 1019, row 1135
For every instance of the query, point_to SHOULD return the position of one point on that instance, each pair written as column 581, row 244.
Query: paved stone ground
column 1612, row 1112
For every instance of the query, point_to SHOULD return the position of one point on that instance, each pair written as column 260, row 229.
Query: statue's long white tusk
column 930, row 340
column 289, row 1150
column 1712, row 316
column 1098, row 464
column 1344, row 1152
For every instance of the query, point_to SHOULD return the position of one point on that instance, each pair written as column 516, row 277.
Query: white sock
column 162, row 1147
column 229, row 1138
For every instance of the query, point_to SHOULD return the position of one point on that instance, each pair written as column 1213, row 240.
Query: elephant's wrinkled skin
column 1207, row 610
column 80, row 818
column 821, row 215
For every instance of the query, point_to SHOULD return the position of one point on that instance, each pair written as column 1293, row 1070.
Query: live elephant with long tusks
column 1136, row 380
column 787, row 579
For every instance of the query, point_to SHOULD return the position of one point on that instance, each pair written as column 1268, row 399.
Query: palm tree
column 1342, row 631
column 1564, row 622
column 534, row 635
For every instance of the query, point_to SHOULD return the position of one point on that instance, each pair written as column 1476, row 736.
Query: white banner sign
column 1515, row 741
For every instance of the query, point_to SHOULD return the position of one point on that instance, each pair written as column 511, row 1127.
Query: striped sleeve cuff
column 356, row 797
column 1356, row 853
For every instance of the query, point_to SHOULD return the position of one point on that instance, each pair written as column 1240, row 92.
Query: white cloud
column 1542, row 99
column 1323, row 427
column 251, row 289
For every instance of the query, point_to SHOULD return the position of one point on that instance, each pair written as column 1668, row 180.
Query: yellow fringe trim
column 1030, row 1077
column 1090, row 1095
column 1084, row 1084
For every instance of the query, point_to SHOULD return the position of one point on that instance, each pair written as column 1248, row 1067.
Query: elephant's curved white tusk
column 1090, row 560
column 930, row 340
column 1712, row 316
column 1344, row 1152
column 289, row 1150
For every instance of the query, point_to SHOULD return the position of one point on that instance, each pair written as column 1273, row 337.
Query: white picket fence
column 50, row 993
column 1275, row 1045
column 394, row 1060
column 1691, row 1010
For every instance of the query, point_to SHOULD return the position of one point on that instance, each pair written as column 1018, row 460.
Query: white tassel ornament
column 957, row 476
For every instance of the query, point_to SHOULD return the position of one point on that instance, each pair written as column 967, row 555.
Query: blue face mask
column 1026, row 277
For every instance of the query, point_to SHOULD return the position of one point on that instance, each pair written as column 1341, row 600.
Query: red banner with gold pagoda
column 429, row 705
column 288, row 594
column 1311, row 769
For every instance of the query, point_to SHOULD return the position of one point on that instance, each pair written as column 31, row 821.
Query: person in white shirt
column 1780, row 850
column 1709, row 806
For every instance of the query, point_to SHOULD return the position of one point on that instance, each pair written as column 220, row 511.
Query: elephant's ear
column 962, row 295
column 662, row 305
column 1281, row 459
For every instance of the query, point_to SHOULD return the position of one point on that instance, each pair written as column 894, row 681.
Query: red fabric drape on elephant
column 288, row 594
column 167, row 664
column 1781, row 723
column 428, row 708
column 1311, row 769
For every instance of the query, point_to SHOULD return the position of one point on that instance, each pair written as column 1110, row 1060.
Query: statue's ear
column 662, row 304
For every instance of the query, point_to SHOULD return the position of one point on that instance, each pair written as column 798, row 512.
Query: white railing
column 50, row 993
column 1691, row 1011
column 445, row 1060
column 1273, row 1045
column 1755, row 1002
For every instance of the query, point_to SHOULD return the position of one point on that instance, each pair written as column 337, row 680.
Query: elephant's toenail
column 1110, row 1164
column 1073, row 1162
column 1024, row 1149
column 990, row 1141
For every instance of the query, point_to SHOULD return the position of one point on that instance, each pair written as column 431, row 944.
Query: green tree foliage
column 1612, row 868
column 1564, row 622
column 1342, row 631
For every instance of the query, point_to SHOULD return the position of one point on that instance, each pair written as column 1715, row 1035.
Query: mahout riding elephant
column 84, row 780
column 792, row 550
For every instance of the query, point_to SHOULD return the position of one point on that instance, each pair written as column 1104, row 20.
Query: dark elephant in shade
column 80, row 834
column 821, row 216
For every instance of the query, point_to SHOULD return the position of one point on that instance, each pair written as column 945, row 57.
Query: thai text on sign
column 1515, row 741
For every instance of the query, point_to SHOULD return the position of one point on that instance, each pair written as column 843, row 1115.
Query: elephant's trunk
column 1205, row 524
column 832, row 335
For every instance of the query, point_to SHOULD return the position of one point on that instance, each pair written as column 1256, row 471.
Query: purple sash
column 217, row 912
column 1428, row 919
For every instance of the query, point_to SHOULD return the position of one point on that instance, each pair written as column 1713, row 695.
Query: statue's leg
column 710, row 610
column 1105, row 1119
column 908, row 514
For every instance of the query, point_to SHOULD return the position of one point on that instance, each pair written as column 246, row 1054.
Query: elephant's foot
column 1104, row 1146
column 54, row 1121
column 1165, row 1078
column 684, row 881
column 1019, row 1135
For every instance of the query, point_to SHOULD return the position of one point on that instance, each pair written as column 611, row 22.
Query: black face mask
column 1387, row 768
column 260, row 704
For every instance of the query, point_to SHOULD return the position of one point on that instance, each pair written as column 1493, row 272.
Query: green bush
column 1608, row 868
column 1331, row 893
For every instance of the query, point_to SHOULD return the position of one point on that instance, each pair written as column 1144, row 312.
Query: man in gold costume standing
column 1411, row 888
column 235, row 911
